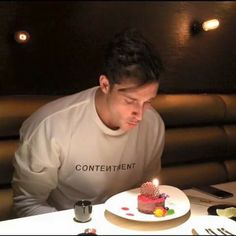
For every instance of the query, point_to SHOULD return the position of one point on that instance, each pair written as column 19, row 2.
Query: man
column 98, row 142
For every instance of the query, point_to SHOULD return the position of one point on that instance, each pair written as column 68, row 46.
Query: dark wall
column 65, row 51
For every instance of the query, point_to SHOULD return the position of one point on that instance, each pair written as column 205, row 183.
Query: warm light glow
column 22, row 36
column 155, row 182
column 210, row 24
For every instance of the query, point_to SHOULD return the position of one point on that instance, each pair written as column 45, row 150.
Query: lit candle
column 155, row 182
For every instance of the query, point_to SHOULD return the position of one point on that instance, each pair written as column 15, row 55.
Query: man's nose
column 138, row 112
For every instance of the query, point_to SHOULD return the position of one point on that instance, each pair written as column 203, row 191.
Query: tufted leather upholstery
column 200, row 143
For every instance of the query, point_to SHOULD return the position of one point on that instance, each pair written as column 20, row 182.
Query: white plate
column 127, row 200
column 201, row 223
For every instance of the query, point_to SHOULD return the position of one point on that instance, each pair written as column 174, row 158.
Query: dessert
column 150, row 198
column 151, row 201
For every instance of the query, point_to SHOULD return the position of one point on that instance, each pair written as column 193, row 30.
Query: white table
column 62, row 222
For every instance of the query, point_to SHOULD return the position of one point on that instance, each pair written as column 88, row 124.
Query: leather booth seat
column 200, row 145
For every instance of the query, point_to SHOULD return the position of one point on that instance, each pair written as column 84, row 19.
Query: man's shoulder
column 63, row 104
column 152, row 122
column 152, row 115
column 61, row 107
column 70, row 100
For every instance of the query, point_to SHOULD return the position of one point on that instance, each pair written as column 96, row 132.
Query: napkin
column 202, row 224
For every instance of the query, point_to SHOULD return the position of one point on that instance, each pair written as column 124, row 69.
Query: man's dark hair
column 130, row 56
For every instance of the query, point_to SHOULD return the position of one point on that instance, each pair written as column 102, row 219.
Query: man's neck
column 101, row 108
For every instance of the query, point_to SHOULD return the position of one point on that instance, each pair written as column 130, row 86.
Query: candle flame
column 155, row 182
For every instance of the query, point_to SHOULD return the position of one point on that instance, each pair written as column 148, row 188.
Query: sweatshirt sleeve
column 36, row 164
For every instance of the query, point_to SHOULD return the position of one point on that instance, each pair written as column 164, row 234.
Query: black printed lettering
column 105, row 168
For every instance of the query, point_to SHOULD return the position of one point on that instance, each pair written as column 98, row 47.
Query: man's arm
column 36, row 165
column 153, row 168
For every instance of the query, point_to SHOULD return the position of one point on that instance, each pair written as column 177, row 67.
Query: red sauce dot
column 130, row 214
column 125, row 208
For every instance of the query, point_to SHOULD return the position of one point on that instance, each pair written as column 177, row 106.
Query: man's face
column 127, row 102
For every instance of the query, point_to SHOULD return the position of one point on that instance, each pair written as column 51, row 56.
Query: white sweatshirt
column 66, row 153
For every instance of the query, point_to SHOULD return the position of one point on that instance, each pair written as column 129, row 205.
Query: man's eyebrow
column 135, row 99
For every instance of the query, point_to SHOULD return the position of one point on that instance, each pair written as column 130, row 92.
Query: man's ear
column 104, row 84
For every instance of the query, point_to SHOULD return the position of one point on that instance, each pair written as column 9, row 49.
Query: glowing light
column 155, row 182
column 210, row 24
column 22, row 36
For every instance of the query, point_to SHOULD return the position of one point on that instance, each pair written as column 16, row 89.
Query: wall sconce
column 22, row 36
column 197, row 27
column 210, row 24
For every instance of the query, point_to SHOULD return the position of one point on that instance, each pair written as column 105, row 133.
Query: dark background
column 64, row 54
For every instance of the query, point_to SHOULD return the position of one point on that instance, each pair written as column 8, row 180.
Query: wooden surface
column 64, row 54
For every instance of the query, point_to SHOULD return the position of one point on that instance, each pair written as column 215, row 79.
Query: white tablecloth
column 62, row 222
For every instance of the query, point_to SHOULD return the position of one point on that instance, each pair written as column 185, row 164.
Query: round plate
column 124, row 204
column 212, row 209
